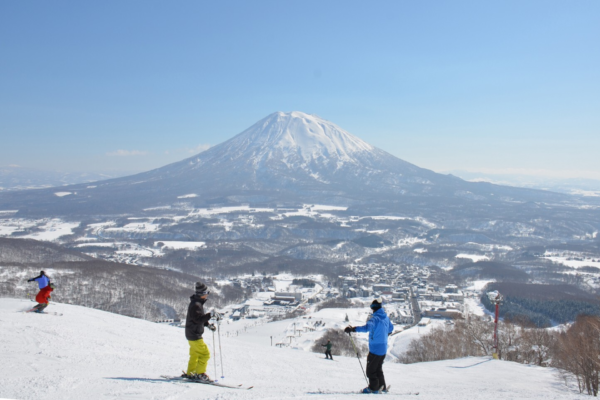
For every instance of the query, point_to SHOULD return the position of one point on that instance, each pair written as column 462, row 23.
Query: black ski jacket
column 196, row 319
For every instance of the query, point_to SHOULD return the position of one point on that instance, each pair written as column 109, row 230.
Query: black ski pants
column 328, row 354
column 375, row 371
column 40, row 306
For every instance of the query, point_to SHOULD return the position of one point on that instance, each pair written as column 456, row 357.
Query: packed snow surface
column 91, row 354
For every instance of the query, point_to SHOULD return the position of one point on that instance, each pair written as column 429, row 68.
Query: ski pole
column 214, row 355
column 220, row 351
column 357, row 356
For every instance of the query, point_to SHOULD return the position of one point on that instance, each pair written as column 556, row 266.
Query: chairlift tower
column 496, row 299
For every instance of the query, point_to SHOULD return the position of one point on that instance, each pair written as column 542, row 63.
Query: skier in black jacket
column 327, row 349
column 195, row 322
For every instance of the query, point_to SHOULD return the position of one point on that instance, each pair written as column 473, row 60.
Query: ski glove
column 350, row 329
column 30, row 280
column 212, row 327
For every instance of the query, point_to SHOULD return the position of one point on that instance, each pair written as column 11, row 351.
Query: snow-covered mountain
column 295, row 153
column 297, row 139
column 91, row 354
column 284, row 158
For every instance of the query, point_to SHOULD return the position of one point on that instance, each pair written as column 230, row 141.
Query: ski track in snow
column 91, row 354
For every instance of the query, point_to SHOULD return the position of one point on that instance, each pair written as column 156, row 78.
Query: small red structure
column 496, row 298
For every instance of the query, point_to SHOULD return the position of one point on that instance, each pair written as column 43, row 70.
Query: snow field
column 90, row 354
column 180, row 245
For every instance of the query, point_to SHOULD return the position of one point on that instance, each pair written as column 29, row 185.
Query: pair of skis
column 212, row 383
column 350, row 392
column 34, row 310
column 242, row 387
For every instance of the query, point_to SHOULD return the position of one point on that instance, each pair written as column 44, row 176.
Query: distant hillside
column 142, row 292
column 489, row 270
column 13, row 177
column 29, row 251
column 540, row 304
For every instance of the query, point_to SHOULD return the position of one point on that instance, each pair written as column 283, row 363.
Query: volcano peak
column 297, row 134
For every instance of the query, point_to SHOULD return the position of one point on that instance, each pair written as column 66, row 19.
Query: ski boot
column 368, row 390
column 203, row 378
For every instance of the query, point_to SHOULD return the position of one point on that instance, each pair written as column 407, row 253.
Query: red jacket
column 44, row 294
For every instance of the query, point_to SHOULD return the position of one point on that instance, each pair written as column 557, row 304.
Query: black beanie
column 376, row 304
column 201, row 289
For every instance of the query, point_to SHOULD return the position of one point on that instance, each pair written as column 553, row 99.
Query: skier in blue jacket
column 379, row 328
column 42, row 280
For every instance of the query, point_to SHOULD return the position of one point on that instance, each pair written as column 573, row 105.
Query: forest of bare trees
column 541, row 303
column 575, row 350
column 134, row 291
column 23, row 251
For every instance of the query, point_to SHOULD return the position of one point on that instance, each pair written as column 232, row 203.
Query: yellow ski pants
column 199, row 356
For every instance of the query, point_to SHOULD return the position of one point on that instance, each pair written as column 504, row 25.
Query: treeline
column 542, row 304
column 337, row 302
column 575, row 351
column 304, row 282
column 225, row 262
column 490, row 270
column 23, row 251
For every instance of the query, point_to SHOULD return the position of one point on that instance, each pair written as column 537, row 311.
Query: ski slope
column 91, row 354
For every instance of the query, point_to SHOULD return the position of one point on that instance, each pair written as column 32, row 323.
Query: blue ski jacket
column 379, row 327
column 42, row 281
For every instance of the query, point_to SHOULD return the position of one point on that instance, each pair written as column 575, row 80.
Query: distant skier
column 379, row 328
column 43, row 298
column 327, row 349
column 42, row 279
column 195, row 322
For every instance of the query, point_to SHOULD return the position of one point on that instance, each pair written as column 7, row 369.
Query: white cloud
column 127, row 153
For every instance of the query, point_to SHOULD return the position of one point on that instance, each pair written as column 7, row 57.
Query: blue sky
column 447, row 85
